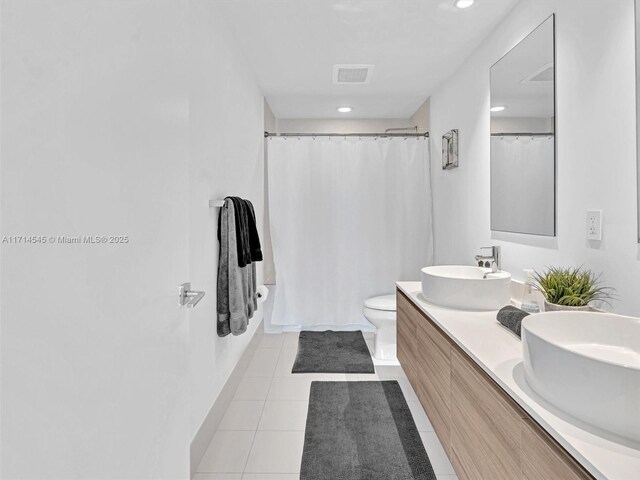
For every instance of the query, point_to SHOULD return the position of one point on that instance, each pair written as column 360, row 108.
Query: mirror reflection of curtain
column 522, row 184
column 349, row 217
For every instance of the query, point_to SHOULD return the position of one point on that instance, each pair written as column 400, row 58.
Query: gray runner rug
column 362, row 431
column 332, row 352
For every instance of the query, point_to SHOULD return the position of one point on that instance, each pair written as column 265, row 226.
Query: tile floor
column 262, row 432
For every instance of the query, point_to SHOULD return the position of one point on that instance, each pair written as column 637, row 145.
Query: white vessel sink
column 466, row 288
column 587, row 364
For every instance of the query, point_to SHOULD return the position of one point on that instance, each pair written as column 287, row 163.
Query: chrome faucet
column 490, row 261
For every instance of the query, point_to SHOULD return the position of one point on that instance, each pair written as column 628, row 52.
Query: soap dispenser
column 529, row 303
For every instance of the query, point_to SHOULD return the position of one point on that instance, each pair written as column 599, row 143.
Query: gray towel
column 234, row 282
column 252, row 292
column 511, row 317
column 243, row 242
column 254, row 238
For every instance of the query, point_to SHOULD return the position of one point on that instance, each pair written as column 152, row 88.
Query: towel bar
column 216, row 203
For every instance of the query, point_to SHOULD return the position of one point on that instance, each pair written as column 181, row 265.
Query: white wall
column 341, row 125
column 95, row 141
column 267, row 248
column 422, row 116
column 118, row 119
column 226, row 159
column 596, row 146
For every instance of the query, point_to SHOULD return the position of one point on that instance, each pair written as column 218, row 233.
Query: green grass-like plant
column 572, row 287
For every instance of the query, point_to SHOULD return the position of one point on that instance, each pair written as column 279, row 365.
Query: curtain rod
column 523, row 134
column 381, row 135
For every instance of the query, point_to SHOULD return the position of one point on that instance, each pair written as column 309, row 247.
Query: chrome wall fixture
column 450, row 149
column 187, row 297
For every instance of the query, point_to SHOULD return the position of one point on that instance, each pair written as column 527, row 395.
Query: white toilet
column 381, row 312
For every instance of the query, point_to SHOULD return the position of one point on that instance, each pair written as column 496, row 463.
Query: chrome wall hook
column 189, row 297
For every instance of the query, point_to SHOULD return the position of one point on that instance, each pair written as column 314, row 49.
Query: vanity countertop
column 499, row 353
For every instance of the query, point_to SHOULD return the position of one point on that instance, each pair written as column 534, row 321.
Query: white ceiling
column 415, row 45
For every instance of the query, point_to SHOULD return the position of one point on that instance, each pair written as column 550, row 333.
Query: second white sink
column 587, row 364
column 466, row 288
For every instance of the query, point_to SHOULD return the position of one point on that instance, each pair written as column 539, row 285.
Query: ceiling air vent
column 543, row 74
column 352, row 74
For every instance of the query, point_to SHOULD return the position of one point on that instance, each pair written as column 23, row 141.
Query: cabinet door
column 544, row 459
column 434, row 378
column 485, row 425
column 406, row 337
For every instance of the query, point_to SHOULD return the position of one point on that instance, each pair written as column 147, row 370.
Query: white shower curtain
column 349, row 217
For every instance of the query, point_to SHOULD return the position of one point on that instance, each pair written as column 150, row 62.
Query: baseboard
column 385, row 362
column 364, row 328
column 207, row 430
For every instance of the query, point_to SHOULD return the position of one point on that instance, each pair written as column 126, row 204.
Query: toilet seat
column 386, row 303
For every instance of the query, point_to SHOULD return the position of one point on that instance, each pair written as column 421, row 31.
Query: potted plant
column 570, row 288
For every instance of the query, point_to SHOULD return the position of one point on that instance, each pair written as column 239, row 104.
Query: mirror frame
column 637, row 34
column 555, row 132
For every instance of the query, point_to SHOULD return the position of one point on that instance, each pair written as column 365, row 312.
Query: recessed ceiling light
column 498, row 108
column 344, row 109
column 464, row 3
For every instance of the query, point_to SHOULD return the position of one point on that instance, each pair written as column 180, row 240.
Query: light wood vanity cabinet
column 434, row 378
column 543, row 459
column 485, row 433
column 485, row 426
column 406, row 338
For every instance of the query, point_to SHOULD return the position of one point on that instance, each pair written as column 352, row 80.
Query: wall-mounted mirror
column 523, row 147
column 638, row 105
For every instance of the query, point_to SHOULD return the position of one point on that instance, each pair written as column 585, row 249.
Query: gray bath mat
column 332, row 352
column 362, row 431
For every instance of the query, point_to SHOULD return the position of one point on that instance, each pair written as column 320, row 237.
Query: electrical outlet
column 594, row 225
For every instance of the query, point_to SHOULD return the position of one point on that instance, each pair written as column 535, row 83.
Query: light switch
column 594, row 225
